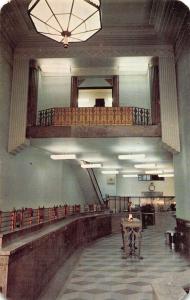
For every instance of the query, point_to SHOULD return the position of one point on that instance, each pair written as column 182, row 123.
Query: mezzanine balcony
column 94, row 122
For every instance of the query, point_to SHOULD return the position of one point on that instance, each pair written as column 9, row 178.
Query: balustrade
column 93, row 116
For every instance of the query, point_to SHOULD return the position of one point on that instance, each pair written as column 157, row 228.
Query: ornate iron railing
column 93, row 116
column 141, row 116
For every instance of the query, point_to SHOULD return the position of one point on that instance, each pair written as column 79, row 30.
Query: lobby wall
column 134, row 91
column 182, row 159
column 131, row 186
column 54, row 91
column 105, row 187
column 30, row 178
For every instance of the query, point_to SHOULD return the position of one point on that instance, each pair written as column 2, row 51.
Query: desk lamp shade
column 66, row 21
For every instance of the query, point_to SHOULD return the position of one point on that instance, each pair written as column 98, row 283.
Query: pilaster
column 168, row 101
column 18, row 110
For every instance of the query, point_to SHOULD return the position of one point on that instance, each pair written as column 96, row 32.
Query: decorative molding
column 6, row 50
column 96, row 52
column 171, row 18
column 168, row 18
column 183, row 37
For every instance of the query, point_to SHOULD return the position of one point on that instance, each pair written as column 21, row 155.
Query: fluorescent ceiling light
column 169, row 171
column 63, row 156
column 110, row 172
column 131, row 156
column 112, row 167
column 130, row 171
column 144, row 166
column 144, row 160
column 130, row 175
column 66, row 20
column 166, row 175
column 153, row 172
column 91, row 166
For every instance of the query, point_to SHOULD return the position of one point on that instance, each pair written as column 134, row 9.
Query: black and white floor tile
column 102, row 273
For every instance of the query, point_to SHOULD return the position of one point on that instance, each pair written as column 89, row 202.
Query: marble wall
column 31, row 178
column 131, row 186
column 182, row 160
column 134, row 90
column 54, row 90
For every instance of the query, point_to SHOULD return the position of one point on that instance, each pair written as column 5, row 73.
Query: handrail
column 95, row 185
column 93, row 116
column 26, row 217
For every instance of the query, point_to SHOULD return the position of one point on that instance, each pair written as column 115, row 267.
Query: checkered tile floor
column 102, row 273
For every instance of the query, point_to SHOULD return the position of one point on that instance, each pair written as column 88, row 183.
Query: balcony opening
column 95, row 97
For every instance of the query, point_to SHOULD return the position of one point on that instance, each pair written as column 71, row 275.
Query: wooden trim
column 93, row 131
column 74, row 91
column 115, row 91
column 32, row 94
column 96, row 88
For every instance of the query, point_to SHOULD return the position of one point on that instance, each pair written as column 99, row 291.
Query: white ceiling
column 124, row 23
column 107, row 150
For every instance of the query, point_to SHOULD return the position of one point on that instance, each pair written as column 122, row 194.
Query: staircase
column 95, row 185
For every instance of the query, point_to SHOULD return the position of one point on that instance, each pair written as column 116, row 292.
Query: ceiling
column 123, row 21
column 106, row 151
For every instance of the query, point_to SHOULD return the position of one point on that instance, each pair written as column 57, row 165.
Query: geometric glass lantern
column 66, row 21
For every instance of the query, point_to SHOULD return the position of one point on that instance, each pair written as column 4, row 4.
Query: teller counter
column 29, row 262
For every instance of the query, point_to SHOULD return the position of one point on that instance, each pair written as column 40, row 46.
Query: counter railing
column 26, row 217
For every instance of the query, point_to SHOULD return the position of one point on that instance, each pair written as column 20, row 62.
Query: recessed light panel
column 131, row 156
column 110, row 172
column 166, row 175
column 153, row 172
column 91, row 166
column 130, row 175
column 169, row 171
column 63, row 156
column 145, row 166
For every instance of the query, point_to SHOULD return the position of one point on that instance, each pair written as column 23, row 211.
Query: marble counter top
column 174, row 288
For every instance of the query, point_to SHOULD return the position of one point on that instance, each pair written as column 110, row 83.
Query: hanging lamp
column 66, row 21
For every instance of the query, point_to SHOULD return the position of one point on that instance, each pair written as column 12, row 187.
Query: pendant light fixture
column 66, row 21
